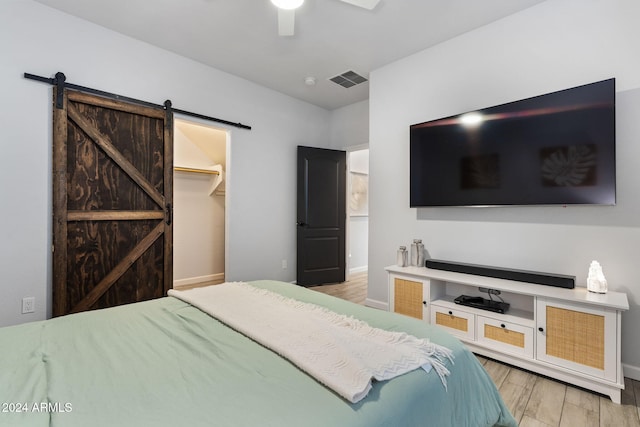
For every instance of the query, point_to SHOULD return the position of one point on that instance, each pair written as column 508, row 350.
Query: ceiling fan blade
column 367, row 4
column 286, row 22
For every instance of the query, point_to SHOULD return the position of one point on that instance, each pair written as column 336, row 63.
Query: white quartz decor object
column 596, row 281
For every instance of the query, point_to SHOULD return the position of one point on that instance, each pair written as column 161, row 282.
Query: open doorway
column 358, row 213
column 200, row 153
column 354, row 289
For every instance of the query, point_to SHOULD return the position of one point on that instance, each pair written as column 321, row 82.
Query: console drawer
column 505, row 336
column 457, row 322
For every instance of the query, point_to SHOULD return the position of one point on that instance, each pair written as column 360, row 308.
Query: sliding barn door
column 112, row 203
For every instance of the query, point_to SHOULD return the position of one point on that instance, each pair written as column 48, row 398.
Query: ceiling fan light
column 287, row 4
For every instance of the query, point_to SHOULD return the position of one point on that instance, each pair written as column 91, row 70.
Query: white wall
column 261, row 185
column 554, row 45
column 198, row 230
column 350, row 131
column 350, row 126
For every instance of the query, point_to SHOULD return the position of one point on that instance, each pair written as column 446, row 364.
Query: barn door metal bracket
column 59, row 83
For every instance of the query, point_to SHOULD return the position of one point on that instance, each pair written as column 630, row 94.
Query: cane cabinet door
column 409, row 297
column 577, row 337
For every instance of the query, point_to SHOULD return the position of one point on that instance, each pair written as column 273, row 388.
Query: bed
column 167, row 363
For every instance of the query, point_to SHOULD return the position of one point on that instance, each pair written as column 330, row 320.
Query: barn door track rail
column 60, row 82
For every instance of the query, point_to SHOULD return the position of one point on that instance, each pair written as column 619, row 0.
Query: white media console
column 572, row 335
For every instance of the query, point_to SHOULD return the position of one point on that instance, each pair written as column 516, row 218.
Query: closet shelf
column 195, row 170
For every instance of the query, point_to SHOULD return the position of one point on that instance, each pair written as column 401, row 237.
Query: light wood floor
column 354, row 290
column 534, row 400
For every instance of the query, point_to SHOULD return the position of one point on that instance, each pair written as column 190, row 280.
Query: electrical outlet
column 28, row 305
column 284, row 264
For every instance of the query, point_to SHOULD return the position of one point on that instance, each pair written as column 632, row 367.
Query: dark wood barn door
column 112, row 203
column 321, row 223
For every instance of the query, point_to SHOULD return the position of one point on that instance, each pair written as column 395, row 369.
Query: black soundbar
column 549, row 279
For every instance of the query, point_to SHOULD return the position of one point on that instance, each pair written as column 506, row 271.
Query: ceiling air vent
column 348, row 79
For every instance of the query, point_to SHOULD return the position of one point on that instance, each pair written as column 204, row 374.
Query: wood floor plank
column 498, row 371
column 516, row 391
column 481, row 359
column 532, row 422
column 582, row 398
column 623, row 415
column 354, row 289
column 577, row 416
column 516, row 397
column 613, row 415
column 546, row 401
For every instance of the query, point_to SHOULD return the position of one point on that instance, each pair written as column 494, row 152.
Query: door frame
column 313, row 233
column 349, row 150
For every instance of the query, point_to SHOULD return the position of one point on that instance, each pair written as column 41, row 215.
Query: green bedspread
column 165, row 363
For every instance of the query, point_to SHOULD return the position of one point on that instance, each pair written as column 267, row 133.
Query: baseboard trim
column 355, row 270
column 200, row 279
column 631, row 371
column 380, row 305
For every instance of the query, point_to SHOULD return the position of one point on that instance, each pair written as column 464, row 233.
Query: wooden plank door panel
column 112, row 167
column 112, row 203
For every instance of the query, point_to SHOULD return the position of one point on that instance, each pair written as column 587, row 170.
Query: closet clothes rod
column 60, row 82
column 194, row 170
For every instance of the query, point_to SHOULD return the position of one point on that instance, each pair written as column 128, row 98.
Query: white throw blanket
column 341, row 352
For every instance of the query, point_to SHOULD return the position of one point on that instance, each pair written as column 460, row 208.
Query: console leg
column 616, row 396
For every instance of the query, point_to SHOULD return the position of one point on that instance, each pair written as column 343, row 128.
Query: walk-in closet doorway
column 200, row 163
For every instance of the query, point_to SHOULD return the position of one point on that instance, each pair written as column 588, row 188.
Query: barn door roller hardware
column 60, row 82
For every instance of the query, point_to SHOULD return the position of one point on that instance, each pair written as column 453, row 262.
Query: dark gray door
column 321, row 218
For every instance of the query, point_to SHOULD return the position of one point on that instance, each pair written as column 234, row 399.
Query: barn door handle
column 168, row 213
column 301, row 224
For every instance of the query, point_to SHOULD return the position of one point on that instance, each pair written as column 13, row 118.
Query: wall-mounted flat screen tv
column 553, row 149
